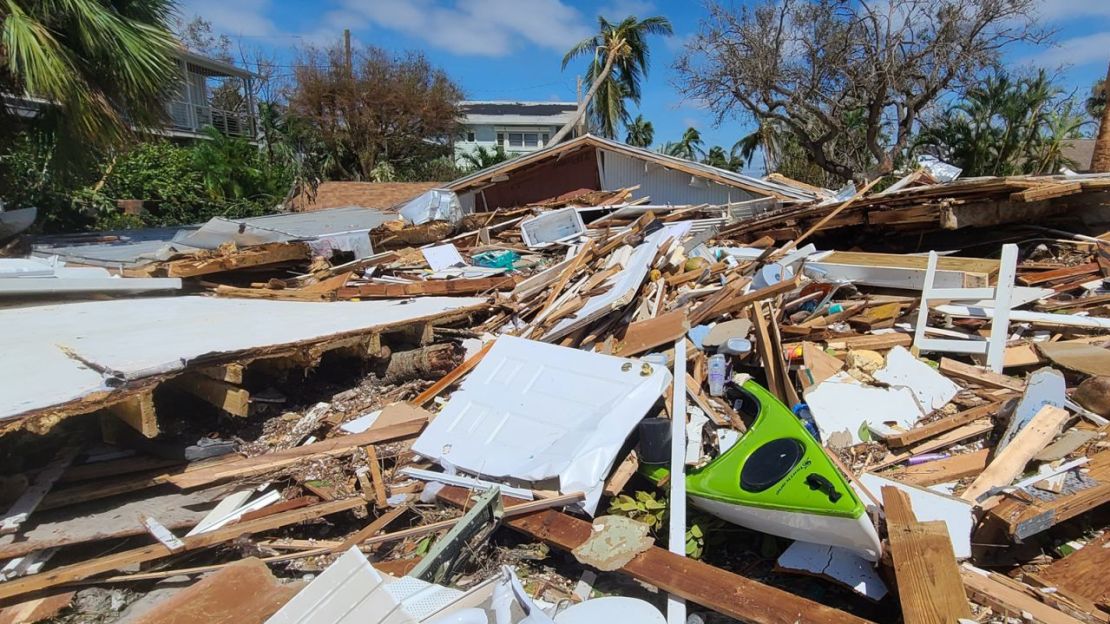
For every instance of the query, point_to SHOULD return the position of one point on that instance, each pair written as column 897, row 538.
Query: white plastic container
column 552, row 227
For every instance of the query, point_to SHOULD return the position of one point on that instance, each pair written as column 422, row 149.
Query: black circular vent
column 770, row 463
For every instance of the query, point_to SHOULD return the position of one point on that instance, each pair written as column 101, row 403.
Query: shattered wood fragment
column 1009, row 463
column 260, row 255
column 1032, row 279
column 91, row 567
column 372, row 529
column 929, row 586
column 717, row 589
column 36, row 492
column 377, row 482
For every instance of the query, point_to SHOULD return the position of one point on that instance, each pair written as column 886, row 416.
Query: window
column 531, row 139
column 545, row 138
column 470, row 137
column 516, row 139
column 500, row 138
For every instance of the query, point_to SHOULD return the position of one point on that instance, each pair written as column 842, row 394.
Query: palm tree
column 482, row 157
column 688, row 147
column 620, row 61
column 1096, row 101
column 102, row 63
column 640, row 132
column 1100, row 160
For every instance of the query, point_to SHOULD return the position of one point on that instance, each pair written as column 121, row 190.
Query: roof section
column 376, row 195
column 1082, row 151
column 535, row 109
column 721, row 176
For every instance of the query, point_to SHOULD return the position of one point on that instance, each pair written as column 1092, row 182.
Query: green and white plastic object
column 778, row 480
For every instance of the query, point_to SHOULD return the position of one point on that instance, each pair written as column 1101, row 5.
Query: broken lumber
column 725, row 592
column 1080, row 573
column 1021, row 519
column 92, row 567
column 261, row 464
column 451, row 377
column 981, row 376
column 1007, row 600
column 260, row 255
column 937, row 427
column 1009, row 463
column 645, row 335
column 461, row 286
column 943, row 470
column 137, row 411
column 929, row 586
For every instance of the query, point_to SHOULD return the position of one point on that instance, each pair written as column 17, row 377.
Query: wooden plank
column 720, row 590
column 428, row 288
column 1021, row 519
column 581, row 258
column 1009, row 601
column 878, row 342
column 944, row 440
column 739, row 302
column 1021, row 355
column 372, row 529
column 929, row 585
column 981, row 376
column 451, row 377
column 622, row 474
column 376, row 480
column 940, row 426
column 769, row 354
column 230, row 398
column 1081, row 572
column 644, row 335
column 137, row 411
column 1050, row 190
column 261, row 255
column 1040, row 277
column 1008, row 464
column 92, row 567
column 261, row 464
column 906, row 261
column 943, row 470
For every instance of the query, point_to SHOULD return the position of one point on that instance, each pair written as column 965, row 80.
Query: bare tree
column 848, row 80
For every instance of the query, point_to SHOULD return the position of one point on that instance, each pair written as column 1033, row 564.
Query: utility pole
column 347, row 53
column 579, row 129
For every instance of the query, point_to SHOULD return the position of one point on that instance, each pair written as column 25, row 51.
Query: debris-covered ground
column 492, row 406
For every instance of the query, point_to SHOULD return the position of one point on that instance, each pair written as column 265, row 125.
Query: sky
column 513, row 49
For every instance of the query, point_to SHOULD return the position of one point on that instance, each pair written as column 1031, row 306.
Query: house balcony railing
column 193, row 118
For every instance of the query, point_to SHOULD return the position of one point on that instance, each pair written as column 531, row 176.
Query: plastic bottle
column 801, row 410
column 718, row 374
column 735, row 346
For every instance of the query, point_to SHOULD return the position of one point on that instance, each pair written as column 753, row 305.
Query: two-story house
column 518, row 127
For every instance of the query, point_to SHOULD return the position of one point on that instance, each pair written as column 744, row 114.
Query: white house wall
column 663, row 186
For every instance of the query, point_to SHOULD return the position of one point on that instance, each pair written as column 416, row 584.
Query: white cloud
column 1076, row 51
column 617, row 10
column 234, row 17
column 477, row 27
column 1066, row 10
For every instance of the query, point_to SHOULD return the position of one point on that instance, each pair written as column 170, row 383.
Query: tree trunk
column 581, row 112
column 1100, row 160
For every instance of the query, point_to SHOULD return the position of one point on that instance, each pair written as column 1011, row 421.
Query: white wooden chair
column 993, row 348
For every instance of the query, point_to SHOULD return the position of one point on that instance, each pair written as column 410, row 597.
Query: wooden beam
column 230, row 373
column 427, row 288
column 981, row 376
column 376, row 481
column 137, row 411
column 878, row 342
column 1009, row 601
column 260, row 255
column 1040, row 277
column 228, row 397
column 1021, row 519
column 937, row 427
column 581, row 258
column 929, row 585
column 720, row 590
column 371, row 529
column 1009, row 463
column 92, row 567
column 943, row 470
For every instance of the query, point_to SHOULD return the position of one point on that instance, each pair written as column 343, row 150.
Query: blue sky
column 512, row 49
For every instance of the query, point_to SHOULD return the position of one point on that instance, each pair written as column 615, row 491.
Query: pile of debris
column 323, row 432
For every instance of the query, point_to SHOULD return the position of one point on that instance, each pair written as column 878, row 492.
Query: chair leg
column 1003, row 299
column 923, row 308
